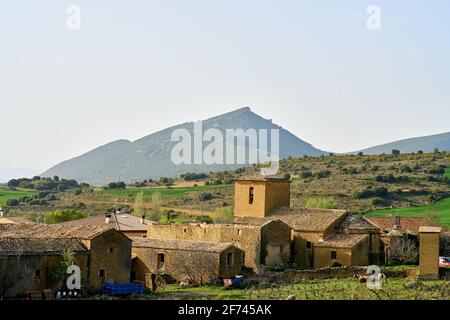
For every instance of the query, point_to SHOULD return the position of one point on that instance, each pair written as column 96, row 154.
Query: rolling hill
column 426, row 144
column 150, row 156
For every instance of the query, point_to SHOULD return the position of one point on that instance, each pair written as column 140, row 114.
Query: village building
column 127, row 224
column 194, row 261
column 395, row 229
column 429, row 252
column 103, row 252
column 262, row 242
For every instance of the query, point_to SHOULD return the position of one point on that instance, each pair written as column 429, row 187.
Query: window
column 184, row 230
column 111, row 250
column 102, row 273
column 239, row 231
column 37, row 274
column 308, row 245
column 333, row 255
column 160, row 261
column 229, row 259
column 281, row 248
column 250, row 195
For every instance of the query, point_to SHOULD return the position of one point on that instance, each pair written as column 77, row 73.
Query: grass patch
column 440, row 208
column 165, row 191
column 447, row 172
column 326, row 289
column 5, row 194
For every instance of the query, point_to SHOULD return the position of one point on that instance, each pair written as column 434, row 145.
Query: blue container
column 123, row 289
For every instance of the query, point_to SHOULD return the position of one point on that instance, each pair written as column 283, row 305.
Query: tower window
column 250, row 195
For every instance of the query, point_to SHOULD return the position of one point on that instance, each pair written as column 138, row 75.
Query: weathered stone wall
column 429, row 255
column 360, row 253
column 322, row 257
column 110, row 251
column 304, row 257
column 18, row 273
column 278, row 195
column 242, row 205
column 186, row 265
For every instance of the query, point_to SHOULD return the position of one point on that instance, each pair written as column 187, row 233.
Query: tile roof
column 185, row 245
column 123, row 222
column 341, row 240
column 39, row 246
column 14, row 220
column 407, row 224
column 355, row 221
column 302, row 219
column 58, row 231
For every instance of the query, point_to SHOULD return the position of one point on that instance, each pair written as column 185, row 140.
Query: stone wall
column 111, row 252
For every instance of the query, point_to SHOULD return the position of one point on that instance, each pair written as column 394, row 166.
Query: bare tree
column 403, row 251
column 196, row 267
column 156, row 203
column 139, row 209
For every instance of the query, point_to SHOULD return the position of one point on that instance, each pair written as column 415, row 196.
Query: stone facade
column 109, row 258
column 259, row 197
column 194, row 261
column 268, row 243
column 429, row 252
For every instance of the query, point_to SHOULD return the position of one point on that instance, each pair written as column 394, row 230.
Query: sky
column 136, row 67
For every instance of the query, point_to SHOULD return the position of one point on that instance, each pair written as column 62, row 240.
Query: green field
column 5, row 195
column 326, row 289
column 440, row 208
column 447, row 172
column 165, row 191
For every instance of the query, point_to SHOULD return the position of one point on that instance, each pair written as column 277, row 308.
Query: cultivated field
column 6, row 194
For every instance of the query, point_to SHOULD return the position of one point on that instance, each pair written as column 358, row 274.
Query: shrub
column 321, row 203
column 12, row 202
column 224, row 215
column 78, row 192
column 323, row 174
column 63, row 215
column 205, row 196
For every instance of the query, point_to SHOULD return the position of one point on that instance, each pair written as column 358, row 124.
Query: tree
column 403, row 251
column 12, row 202
column 156, row 206
column 59, row 272
column 223, row 215
column 395, row 151
column 196, row 267
column 139, row 209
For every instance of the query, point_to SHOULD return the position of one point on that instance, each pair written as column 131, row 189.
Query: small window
column 229, row 259
column 333, row 255
column 239, row 232
column 251, row 195
column 37, row 274
column 102, row 273
column 281, row 248
column 184, row 230
column 111, row 250
column 308, row 245
column 160, row 261
column 205, row 231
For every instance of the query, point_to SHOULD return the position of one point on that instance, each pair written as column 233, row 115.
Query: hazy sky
column 136, row 67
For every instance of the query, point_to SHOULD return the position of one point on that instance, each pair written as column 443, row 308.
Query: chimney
column 397, row 224
column 107, row 218
column 143, row 219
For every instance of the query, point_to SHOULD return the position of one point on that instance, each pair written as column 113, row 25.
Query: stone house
column 262, row 242
column 28, row 264
column 311, row 228
column 196, row 261
column 108, row 251
column 394, row 229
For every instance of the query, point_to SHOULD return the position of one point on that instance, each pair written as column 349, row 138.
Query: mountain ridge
column 149, row 156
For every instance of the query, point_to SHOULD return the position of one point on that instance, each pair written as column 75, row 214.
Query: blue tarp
column 123, row 289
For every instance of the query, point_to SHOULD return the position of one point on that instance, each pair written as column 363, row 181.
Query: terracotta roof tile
column 185, row 245
column 341, row 240
column 39, row 246
column 406, row 224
